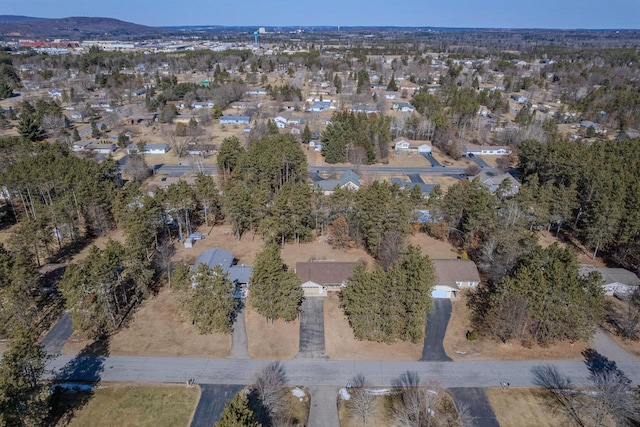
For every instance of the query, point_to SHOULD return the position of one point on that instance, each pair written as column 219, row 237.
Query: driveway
column 432, row 160
column 213, row 397
column 415, row 177
column 324, row 407
column 475, row 401
column 239, row 343
column 437, row 323
column 58, row 335
column 480, row 162
column 312, row 328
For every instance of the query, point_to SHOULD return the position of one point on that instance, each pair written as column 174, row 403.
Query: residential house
column 256, row 92
column 401, row 144
column 408, row 185
column 100, row 147
column 149, row 148
column 235, row 120
column 493, row 181
column 205, row 104
column 55, row 93
column 405, row 107
column 484, row 150
column 520, row 99
column 615, row 281
column 238, row 274
column 320, row 277
column 368, row 109
column 348, row 179
column 319, row 106
column 453, row 276
column 316, row 144
column 391, row 95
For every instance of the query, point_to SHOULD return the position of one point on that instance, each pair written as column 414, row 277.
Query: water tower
column 255, row 37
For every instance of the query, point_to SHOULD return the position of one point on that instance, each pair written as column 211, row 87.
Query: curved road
column 315, row 372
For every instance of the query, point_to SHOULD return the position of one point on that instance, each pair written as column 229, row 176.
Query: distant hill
column 73, row 28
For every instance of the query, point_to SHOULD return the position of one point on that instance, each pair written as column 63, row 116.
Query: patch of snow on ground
column 344, row 394
column 299, row 393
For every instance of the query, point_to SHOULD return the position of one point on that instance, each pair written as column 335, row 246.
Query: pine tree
column 306, row 135
column 76, row 134
column 392, row 86
column 275, row 292
column 210, row 304
column 23, row 394
column 29, row 127
column 237, row 413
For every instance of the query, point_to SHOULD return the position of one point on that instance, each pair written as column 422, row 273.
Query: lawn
column 522, row 407
column 616, row 309
column 277, row 340
column 120, row 405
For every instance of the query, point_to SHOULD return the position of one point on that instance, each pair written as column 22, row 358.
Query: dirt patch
column 436, row 249
column 159, row 328
column 342, row 345
column 522, row 407
column 585, row 256
column 100, row 242
column 277, row 340
column 458, row 347
column 616, row 310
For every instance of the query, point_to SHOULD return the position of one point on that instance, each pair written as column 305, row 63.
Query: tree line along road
column 314, row 371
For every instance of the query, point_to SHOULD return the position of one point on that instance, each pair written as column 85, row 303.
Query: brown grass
column 159, row 328
column 615, row 309
column 123, row 405
column 299, row 408
column 341, row 344
column 584, row 255
column 458, row 347
column 378, row 417
column 436, row 249
column 277, row 340
column 522, row 407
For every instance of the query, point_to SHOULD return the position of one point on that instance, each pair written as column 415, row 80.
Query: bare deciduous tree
column 362, row 403
column 272, row 395
column 136, row 167
column 390, row 249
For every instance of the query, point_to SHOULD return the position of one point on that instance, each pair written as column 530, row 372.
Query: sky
column 564, row 14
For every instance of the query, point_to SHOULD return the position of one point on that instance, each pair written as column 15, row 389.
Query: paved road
column 58, row 335
column 437, row 323
column 312, row 328
column 213, row 397
column 310, row 372
column 475, row 401
column 239, row 342
column 324, row 406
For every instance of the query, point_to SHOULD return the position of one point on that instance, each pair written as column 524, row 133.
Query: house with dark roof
column 239, row 275
column 234, row 120
column 348, row 179
column 320, row 277
column 454, row 275
column 408, row 185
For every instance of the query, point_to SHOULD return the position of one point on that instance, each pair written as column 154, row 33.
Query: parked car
column 196, row 236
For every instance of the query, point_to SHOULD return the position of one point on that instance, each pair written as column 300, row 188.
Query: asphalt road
column 437, row 323
column 312, row 328
column 58, row 335
column 323, row 411
column 415, row 177
column 314, row 372
column 475, row 401
column 480, row 162
column 213, row 397
column 432, row 160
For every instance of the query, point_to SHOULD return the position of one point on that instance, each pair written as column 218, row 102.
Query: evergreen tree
column 306, row 135
column 237, row 413
column 392, row 86
column 29, row 127
column 275, row 291
column 23, row 394
column 210, row 304
column 76, row 134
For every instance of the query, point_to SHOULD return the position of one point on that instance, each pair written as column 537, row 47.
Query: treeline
column 357, row 138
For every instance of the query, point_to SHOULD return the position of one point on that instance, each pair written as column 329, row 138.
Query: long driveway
column 315, row 372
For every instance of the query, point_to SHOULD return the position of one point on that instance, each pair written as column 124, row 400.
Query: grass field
column 278, row 340
column 119, row 405
column 522, row 407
